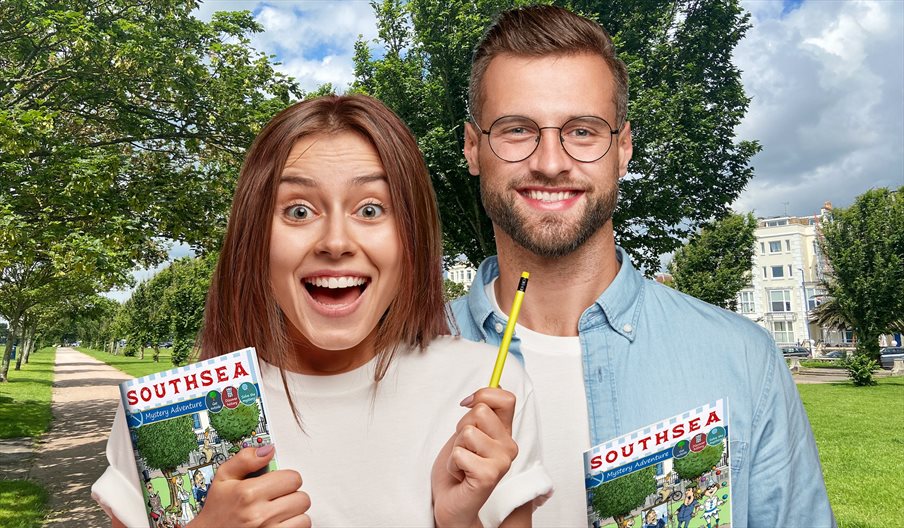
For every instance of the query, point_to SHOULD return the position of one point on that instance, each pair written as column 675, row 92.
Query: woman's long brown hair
column 241, row 310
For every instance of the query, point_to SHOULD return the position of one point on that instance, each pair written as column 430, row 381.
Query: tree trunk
column 7, row 352
column 31, row 344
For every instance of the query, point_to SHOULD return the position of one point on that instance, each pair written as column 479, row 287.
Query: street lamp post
column 806, row 306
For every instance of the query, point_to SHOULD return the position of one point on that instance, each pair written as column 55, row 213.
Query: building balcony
column 781, row 316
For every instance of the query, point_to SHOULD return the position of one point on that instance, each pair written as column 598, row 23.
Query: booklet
column 671, row 473
column 185, row 422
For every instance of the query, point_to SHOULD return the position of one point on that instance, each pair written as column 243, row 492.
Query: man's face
column 549, row 203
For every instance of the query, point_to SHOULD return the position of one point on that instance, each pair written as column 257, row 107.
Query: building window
column 781, row 331
column 775, row 246
column 780, row 300
column 197, row 420
column 762, row 248
column 764, row 273
column 745, row 302
column 789, row 271
column 788, row 246
column 847, row 336
column 778, row 272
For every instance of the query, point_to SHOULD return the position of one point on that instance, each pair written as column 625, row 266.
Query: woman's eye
column 371, row 211
column 299, row 212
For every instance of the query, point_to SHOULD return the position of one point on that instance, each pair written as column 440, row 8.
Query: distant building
column 461, row 273
column 788, row 269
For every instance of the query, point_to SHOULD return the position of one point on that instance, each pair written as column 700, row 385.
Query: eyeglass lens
column 515, row 138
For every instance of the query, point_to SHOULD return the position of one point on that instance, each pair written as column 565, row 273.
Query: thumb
column 245, row 462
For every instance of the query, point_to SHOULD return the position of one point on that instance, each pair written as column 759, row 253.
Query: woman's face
column 334, row 250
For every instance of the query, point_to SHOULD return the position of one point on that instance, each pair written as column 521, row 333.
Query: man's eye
column 371, row 211
column 298, row 212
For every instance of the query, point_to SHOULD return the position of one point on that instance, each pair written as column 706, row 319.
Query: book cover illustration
column 185, row 422
column 673, row 473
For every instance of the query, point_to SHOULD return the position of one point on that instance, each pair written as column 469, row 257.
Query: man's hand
column 271, row 499
column 474, row 459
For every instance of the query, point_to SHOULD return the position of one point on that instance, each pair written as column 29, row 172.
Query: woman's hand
column 474, row 459
column 271, row 499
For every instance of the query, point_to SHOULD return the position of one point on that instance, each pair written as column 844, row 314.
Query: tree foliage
column 235, row 424
column 453, row 290
column 715, row 263
column 686, row 101
column 698, row 463
column 618, row 497
column 167, row 444
column 864, row 245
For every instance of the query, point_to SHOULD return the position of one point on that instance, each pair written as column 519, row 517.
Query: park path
column 71, row 455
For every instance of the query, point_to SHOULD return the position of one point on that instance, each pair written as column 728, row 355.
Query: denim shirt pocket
column 737, row 451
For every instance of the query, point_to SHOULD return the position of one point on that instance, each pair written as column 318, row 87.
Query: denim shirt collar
column 618, row 306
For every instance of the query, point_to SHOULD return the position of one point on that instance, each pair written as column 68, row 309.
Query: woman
column 331, row 268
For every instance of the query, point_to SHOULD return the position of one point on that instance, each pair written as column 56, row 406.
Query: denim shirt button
column 628, row 328
column 499, row 328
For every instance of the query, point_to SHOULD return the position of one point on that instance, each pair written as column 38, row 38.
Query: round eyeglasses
column 516, row 138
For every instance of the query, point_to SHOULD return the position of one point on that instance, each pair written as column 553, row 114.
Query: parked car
column 888, row 355
column 834, row 354
column 795, row 351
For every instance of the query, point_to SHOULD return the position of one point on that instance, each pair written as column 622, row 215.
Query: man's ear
column 625, row 149
column 472, row 148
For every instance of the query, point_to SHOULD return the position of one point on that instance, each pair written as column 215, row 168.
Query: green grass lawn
column 22, row 504
column 860, row 435
column 25, row 411
column 133, row 366
column 25, row 398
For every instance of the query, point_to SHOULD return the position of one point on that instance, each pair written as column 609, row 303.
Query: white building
column 787, row 268
column 461, row 273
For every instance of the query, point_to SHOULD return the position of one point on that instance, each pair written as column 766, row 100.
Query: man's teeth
column 545, row 196
column 335, row 282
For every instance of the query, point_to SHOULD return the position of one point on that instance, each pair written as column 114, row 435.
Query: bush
column 860, row 368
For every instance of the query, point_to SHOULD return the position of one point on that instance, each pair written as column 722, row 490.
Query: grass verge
column 22, row 504
column 133, row 366
column 860, row 435
column 25, row 398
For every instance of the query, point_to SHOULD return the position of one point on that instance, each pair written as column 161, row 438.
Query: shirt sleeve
column 117, row 490
column 786, row 482
column 527, row 480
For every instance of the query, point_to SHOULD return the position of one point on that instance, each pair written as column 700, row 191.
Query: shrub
column 860, row 368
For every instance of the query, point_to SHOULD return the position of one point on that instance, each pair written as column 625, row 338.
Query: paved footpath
column 71, row 455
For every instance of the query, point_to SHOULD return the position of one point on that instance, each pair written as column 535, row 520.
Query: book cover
column 185, row 422
column 673, row 473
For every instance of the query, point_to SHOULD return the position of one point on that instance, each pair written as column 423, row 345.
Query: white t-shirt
column 556, row 369
column 365, row 456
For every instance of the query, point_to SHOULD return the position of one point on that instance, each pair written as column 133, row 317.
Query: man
column 608, row 351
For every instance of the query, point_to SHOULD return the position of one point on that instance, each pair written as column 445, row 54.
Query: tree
column 453, row 290
column 166, row 445
column 698, row 463
column 687, row 100
column 235, row 424
column 864, row 245
column 715, row 263
column 618, row 497
column 184, row 300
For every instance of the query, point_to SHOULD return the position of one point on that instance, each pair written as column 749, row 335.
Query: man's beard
column 551, row 237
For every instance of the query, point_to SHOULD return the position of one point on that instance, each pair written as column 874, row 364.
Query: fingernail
column 265, row 450
column 467, row 401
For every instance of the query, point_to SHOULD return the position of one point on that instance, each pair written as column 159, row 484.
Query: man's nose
column 550, row 158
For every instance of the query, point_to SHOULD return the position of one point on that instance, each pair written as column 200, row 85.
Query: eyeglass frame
column 612, row 132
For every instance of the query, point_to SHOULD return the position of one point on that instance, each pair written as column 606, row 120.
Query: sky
column 825, row 78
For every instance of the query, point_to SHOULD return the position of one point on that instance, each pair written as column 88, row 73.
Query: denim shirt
column 650, row 352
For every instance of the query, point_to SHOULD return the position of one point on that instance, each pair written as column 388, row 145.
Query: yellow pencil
column 509, row 330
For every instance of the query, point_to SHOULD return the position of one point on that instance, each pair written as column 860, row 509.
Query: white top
column 557, row 372
column 365, row 455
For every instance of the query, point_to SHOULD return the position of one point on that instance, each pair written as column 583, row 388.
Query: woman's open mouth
column 335, row 292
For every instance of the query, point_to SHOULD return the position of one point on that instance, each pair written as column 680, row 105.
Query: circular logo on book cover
column 247, row 393
column 716, row 435
column 230, row 397
column 698, row 442
column 135, row 420
column 213, row 401
column 681, row 449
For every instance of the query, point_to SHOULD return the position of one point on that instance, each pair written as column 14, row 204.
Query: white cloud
column 827, row 82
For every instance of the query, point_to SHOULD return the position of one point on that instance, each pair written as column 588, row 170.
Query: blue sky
column 826, row 80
